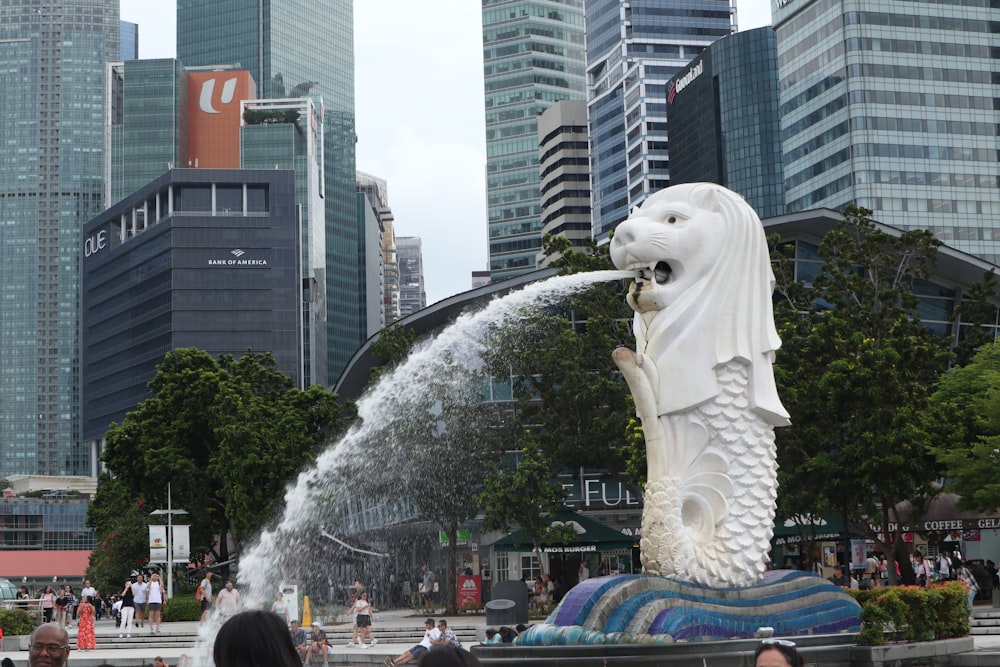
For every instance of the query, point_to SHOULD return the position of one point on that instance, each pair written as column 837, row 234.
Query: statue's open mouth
column 660, row 272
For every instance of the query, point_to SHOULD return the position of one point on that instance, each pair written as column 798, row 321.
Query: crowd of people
column 978, row 576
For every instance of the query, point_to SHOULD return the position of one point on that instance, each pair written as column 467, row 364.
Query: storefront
column 604, row 549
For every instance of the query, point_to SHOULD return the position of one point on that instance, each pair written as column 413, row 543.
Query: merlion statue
column 702, row 382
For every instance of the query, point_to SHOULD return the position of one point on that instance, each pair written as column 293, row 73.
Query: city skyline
column 434, row 157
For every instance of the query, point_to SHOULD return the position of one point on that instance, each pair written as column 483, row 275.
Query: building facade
column 633, row 49
column 723, row 122
column 533, row 56
column 892, row 106
column 52, row 74
column 129, row 41
column 412, row 295
column 206, row 258
column 299, row 48
column 564, row 163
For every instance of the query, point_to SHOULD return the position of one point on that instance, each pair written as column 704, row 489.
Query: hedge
column 17, row 622
column 912, row 613
column 182, row 607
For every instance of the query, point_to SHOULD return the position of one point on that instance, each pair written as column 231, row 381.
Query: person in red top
column 85, row 639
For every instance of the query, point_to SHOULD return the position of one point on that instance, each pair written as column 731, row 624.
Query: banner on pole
column 181, row 543
column 157, row 544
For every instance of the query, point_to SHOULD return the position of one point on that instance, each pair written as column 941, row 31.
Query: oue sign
column 95, row 243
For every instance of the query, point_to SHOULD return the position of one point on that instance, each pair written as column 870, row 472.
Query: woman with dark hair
column 252, row 638
column 777, row 653
column 48, row 599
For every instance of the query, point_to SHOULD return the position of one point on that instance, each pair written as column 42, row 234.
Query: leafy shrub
column 182, row 607
column 16, row 622
column 912, row 613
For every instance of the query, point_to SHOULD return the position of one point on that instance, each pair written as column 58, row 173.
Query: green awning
column 590, row 536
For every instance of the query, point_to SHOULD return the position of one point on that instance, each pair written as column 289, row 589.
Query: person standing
column 68, row 608
column 140, row 589
column 155, row 597
column 49, row 640
column 944, row 566
column 206, row 595
column 228, row 600
column 363, row 621
column 584, row 573
column 48, row 602
column 966, row 577
column 427, row 586
column 88, row 591
column 127, row 610
column 85, row 638
column 279, row 607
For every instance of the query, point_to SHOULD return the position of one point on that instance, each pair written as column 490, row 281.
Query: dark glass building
column 633, row 49
column 206, row 258
column 299, row 48
column 723, row 121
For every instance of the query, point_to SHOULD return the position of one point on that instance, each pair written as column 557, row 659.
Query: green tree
column 122, row 537
column 856, row 370
column 966, row 408
column 228, row 434
column 525, row 493
column 565, row 386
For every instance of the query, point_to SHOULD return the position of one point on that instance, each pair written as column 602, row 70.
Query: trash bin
column 500, row 612
column 513, row 590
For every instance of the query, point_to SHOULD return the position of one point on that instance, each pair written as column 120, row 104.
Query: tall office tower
column 565, row 174
column 533, row 53
column 634, row 47
column 412, row 296
column 893, row 106
column 723, row 121
column 288, row 134
column 299, row 48
column 371, row 194
column 129, row 41
column 52, row 74
column 377, row 192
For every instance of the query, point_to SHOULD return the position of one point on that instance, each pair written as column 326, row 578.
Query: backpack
column 199, row 594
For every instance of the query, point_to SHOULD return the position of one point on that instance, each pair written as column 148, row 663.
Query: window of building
column 258, row 199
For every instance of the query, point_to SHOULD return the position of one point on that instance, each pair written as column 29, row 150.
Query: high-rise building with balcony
column 893, row 106
column 634, row 47
column 53, row 59
column 533, row 55
column 299, row 48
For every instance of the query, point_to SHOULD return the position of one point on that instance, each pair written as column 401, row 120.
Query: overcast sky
column 419, row 101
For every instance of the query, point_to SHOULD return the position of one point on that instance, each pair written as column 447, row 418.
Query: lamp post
column 170, row 512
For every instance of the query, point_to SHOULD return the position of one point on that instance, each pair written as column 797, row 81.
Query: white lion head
column 702, row 293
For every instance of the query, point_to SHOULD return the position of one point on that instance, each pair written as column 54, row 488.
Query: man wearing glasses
column 49, row 646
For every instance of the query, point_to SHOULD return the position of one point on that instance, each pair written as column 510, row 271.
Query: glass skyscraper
column 53, row 59
column 533, row 53
column 722, row 117
column 893, row 106
column 634, row 47
column 299, row 48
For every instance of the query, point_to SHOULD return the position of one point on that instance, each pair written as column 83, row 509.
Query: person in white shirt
column 228, row 600
column 431, row 635
column 155, row 597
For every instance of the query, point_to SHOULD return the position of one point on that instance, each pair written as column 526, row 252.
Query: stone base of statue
column 643, row 609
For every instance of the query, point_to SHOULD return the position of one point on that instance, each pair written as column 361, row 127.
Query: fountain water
column 395, row 399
